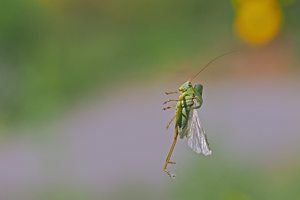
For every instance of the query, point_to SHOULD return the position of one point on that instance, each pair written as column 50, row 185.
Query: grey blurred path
column 122, row 139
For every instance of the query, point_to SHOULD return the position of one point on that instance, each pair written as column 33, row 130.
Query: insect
column 187, row 123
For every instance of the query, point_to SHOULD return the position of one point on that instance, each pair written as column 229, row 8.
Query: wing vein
column 196, row 137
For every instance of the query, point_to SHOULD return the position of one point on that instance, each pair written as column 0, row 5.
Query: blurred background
column 82, row 84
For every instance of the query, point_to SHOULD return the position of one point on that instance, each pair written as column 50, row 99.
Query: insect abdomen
column 186, row 107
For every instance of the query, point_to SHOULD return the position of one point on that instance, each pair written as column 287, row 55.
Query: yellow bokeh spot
column 258, row 22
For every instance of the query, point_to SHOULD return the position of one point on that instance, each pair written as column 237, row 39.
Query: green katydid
column 187, row 123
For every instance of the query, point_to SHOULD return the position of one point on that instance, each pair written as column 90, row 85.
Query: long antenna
column 208, row 64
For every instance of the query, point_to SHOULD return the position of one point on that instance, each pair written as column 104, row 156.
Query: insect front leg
column 168, row 93
column 198, row 103
column 170, row 100
column 166, row 108
column 196, row 107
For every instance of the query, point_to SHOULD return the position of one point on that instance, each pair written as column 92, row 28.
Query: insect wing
column 196, row 137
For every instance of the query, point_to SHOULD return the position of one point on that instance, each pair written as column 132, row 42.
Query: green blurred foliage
column 221, row 180
column 52, row 52
column 63, row 194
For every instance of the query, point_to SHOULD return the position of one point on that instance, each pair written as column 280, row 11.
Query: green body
column 190, row 98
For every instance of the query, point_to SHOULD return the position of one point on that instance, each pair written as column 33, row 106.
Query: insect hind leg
column 170, row 174
column 170, row 122
column 168, row 93
column 170, row 100
column 170, row 154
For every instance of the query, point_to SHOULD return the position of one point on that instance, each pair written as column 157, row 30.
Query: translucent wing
column 196, row 136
